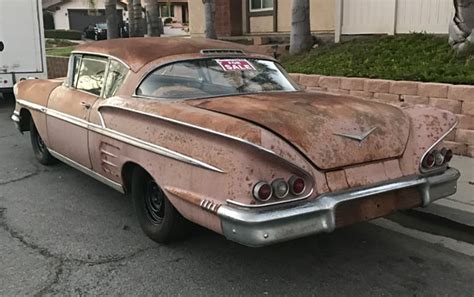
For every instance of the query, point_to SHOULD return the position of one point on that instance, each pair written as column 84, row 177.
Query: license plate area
column 372, row 207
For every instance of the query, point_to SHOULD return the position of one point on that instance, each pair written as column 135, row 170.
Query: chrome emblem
column 358, row 137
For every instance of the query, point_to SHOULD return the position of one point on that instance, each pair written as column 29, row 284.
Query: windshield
column 215, row 77
column 102, row 26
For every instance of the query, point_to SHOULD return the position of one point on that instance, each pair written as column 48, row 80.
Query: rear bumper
column 260, row 227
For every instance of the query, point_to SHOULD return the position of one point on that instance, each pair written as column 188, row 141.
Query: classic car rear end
column 206, row 131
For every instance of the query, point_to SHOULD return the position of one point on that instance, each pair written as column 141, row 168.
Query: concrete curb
column 459, row 207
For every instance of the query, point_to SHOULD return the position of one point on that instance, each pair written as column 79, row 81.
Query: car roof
column 139, row 51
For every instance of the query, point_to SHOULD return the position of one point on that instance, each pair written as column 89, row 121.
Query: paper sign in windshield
column 235, row 65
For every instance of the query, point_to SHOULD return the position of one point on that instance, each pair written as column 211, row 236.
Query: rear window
column 215, row 77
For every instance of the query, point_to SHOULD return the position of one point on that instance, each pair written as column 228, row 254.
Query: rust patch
column 308, row 121
column 373, row 207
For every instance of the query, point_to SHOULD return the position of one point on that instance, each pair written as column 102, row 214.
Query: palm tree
column 461, row 29
column 135, row 18
column 154, row 23
column 300, row 38
column 209, row 13
column 112, row 19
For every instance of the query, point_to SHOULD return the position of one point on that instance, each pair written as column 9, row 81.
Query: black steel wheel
column 158, row 218
column 39, row 147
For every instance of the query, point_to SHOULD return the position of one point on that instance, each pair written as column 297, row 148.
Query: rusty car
column 210, row 132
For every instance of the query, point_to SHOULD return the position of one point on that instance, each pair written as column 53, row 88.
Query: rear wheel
column 39, row 147
column 158, row 218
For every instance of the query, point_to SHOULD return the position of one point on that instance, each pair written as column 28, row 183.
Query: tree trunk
column 461, row 29
column 112, row 19
column 209, row 13
column 153, row 20
column 300, row 38
column 135, row 18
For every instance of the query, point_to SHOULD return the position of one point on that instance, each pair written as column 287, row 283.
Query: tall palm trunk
column 461, row 29
column 112, row 19
column 154, row 23
column 135, row 18
column 300, row 38
column 209, row 13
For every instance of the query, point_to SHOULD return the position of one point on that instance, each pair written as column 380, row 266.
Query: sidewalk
column 459, row 207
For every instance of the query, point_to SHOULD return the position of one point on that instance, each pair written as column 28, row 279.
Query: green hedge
column 63, row 34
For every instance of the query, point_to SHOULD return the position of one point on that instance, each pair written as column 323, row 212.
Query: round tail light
column 448, row 155
column 439, row 158
column 262, row 191
column 297, row 185
column 429, row 160
column 280, row 188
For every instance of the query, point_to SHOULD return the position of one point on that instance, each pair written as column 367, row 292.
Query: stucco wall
column 261, row 24
column 196, row 17
column 61, row 18
column 322, row 13
column 322, row 17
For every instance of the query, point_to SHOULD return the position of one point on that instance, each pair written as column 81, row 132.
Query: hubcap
column 154, row 202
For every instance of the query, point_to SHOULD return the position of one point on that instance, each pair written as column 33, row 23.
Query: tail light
column 448, row 154
column 280, row 188
column 437, row 158
column 297, row 185
column 429, row 161
column 262, row 191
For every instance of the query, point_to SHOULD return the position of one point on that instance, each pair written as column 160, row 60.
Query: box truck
column 22, row 46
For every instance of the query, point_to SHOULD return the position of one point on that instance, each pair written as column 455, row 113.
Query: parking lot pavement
column 63, row 233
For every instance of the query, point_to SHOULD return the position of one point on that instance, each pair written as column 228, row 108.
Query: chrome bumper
column 260, row 227
column 16, row 119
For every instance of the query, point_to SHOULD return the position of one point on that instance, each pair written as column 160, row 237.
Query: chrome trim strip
column 100, row 55
column 261, row 148
column 68, row 118
column 432, row 147
column 123, row 137
column 83, row 169
column 152, row 148
column 31, row 105
column 236, row 203
column 15, row 118
column 258, row 147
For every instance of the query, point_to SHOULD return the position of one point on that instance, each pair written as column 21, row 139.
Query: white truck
column 22, row 45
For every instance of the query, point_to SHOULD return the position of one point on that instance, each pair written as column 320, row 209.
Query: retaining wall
column 458, row 99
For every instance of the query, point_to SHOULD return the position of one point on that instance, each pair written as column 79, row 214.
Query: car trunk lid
column 331, row 131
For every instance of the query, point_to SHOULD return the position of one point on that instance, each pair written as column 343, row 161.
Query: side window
column 72, row 70
column 91, row 74
column 115, row 77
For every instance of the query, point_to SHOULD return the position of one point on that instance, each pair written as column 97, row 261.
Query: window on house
column 261, row 5
column 166, row 11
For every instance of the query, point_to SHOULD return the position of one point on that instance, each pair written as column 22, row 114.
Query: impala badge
column 358, row 137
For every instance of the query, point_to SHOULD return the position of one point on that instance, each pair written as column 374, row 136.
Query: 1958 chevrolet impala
column 208, row 132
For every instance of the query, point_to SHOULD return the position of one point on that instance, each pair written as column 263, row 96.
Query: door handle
column 85, row 105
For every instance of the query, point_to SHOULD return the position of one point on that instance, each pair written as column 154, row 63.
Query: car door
column 69, row 107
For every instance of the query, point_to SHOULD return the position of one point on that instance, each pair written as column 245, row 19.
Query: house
column 176, row 10
column 78, row 14
column 257, row 17
column 338, row 17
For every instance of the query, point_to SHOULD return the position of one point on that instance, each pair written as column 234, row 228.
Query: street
column 64, row 233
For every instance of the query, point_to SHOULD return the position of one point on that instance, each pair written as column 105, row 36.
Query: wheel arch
column 127, row 174
column 25, row 119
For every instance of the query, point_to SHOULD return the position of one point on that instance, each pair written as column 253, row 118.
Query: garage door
column 79, row 19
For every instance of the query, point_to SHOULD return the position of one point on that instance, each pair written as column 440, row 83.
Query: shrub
column 63, row 34
column 168, row 21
